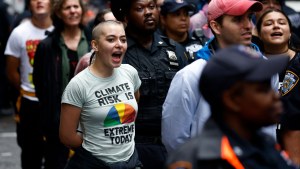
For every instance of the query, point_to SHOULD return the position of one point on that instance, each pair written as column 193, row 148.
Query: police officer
column 156, row 59
column 175, row 21
column 240, row 107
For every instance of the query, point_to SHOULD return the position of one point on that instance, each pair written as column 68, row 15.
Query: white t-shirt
column 108, row 111
column 22, row 44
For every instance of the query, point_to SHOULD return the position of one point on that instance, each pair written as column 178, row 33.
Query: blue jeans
column 83, row 159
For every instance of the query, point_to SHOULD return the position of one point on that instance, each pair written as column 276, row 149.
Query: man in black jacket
column 156, row 59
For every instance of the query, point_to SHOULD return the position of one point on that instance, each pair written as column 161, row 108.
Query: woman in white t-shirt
column 102, row 100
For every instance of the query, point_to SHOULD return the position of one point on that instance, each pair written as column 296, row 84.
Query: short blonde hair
column 97, row 31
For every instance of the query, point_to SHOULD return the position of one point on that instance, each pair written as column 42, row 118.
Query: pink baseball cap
column 216, row 8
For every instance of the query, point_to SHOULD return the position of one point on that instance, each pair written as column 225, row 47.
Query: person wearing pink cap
column 185, row 110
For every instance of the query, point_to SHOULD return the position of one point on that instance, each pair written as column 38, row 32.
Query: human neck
column 145, row 41
column 235, row 124
column 276, row 50
column 100, row 71
column 222, row 44
column 71, row 31
column 176, row 37
column 72, row 37
column 144, row 38
column 42, row 22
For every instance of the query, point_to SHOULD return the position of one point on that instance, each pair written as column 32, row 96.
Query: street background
column 9, row 150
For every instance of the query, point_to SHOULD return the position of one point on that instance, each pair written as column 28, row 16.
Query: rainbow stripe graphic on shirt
column 120, row 114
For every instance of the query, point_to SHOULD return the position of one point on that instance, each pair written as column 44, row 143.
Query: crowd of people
column 153, row 84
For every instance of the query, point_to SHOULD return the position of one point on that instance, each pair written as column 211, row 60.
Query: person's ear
column 94, row 45
column 215, row 26
column 230, row 100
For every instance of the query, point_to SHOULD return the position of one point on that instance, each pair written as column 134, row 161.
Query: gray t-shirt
column 108, row 111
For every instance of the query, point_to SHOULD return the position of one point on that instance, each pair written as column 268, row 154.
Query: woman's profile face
column 275, row 29
column 71, row 13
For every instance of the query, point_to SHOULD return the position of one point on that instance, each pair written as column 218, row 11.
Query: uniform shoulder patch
column 289, row 82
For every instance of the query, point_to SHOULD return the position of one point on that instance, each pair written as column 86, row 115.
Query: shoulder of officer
column 168, row 40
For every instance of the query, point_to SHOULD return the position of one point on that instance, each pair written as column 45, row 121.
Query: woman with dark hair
column 55, row 62
column 274, row 30
column 278, row 5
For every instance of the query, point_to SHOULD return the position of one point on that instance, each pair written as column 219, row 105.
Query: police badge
column 172, row 58
column 289, row 82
